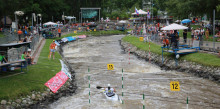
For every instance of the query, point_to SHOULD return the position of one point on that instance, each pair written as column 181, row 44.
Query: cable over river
column 89, row 57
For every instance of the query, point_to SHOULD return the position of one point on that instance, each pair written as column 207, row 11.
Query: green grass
column 1, row 34
column 34, row 79
column 201, row 58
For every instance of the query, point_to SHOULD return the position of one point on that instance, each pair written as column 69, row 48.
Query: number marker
column 174, row 86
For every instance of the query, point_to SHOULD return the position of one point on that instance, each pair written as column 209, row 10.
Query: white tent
column 50, row 23
column 122, row 21
column 174, row 26
column 141, row 12
column 70, row 17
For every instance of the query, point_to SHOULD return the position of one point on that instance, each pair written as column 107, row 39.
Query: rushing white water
column 140, row 77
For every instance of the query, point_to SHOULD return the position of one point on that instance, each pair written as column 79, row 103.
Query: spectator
column 23, row 56
column 185, row 35
column 2, row 58
column 207, row 33
column 25, row 39
column 19, row 34
column 29, row 58
column 52, row 49
column 59, row 32
column 192, row 34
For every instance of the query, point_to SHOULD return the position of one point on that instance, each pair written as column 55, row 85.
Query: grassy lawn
column 201, row 58
column 1, row 34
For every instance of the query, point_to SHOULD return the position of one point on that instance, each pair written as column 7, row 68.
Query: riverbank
column 28, row 91
column 199, row 64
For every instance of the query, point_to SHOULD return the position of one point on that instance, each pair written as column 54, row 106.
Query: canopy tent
column 141, row 12
column 174, row 26
column 50, row 23
column 70, row 18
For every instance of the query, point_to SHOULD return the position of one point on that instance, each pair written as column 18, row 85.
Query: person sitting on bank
column 109, row 91
column 30, row 59
column 2, row 58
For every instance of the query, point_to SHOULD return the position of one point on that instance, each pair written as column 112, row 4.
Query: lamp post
column 18, row 13
column 38, row 15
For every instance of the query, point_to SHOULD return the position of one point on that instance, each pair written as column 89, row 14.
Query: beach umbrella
column 174, row 26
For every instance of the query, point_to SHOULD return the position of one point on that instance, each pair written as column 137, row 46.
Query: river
column 140, row 77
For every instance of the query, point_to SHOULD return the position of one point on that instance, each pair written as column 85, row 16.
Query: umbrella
column 174, row 26
column 186, row 21
column 70, row 17
column 122, row 21
column 50, row 23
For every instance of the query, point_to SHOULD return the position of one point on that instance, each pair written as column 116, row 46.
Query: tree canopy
column 109, row 8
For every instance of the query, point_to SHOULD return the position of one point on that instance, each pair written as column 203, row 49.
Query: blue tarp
column 71, row 38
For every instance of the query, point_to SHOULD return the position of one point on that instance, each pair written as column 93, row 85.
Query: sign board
column 174, row 86
column 110, row 66
column 13, row 25
column 141, row 38
column 56, row 82
column 65, row 69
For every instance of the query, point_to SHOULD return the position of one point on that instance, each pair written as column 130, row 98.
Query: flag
column 136, row 11
column 148, row 14
column 56, row 82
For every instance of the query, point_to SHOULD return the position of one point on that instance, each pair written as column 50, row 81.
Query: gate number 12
column 174, row 86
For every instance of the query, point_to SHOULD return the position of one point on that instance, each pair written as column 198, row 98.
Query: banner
column 56, row 82
column 65, row 69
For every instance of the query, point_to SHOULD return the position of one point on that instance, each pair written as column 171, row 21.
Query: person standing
column 185, row 36
column 52, row 49
column 19, row 34
column 59, row 32
column 207, row 33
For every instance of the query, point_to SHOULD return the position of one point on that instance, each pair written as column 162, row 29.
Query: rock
column 33, row 97
column 14, row 104
column 28, row 99
column 30, row 103
column 24, row 101
column 43, row 94
column 18, row 101
column 38, row 96
column 3, row 102
column 9, row 103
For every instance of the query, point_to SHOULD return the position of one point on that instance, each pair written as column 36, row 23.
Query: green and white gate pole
column 143, row 102
column 122, row 94
column 89, row 86
column 187, row 103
